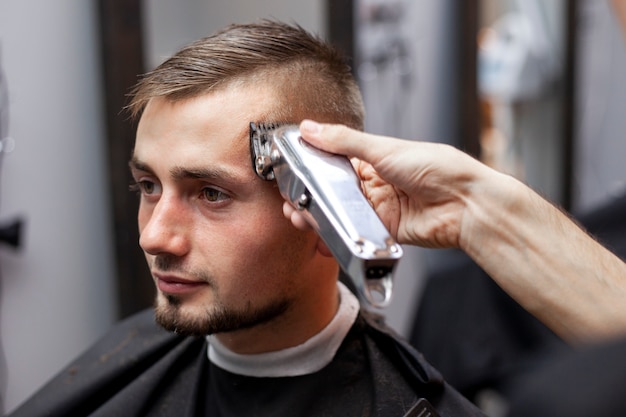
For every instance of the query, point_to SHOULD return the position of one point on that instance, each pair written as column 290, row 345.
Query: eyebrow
column 182, row 173
column 136, row 164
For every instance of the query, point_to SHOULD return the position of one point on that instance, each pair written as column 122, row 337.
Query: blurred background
column 535, row 88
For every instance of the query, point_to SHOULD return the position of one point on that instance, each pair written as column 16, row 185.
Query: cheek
column 262, row 254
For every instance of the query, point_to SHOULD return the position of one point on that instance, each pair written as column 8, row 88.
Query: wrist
column 493, row 204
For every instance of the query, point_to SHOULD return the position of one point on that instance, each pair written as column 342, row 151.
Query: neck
column 305, row 358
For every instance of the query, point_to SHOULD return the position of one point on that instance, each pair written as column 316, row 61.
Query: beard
column 169, row 314
column 172, row 314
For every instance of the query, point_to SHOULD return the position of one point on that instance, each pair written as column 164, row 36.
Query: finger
column 297, row 219
column 323, row 249
column 343, row 140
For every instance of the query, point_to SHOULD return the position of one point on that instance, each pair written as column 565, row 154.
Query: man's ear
column 322, row 248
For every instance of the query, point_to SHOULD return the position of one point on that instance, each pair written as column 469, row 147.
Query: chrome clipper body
column 326, row 189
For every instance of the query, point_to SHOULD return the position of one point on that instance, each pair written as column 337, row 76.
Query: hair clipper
column 326, row 189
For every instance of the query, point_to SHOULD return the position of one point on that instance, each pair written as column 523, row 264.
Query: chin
column 176, row 315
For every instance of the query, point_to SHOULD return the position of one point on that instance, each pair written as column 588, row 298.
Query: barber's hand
column 417, row 188
column 434, row 195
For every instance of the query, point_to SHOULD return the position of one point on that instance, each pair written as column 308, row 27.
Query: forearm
column 545, row 261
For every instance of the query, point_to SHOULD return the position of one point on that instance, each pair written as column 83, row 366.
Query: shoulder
column 131, row 338
column 133, row 347
column 389, row 353
column 393, row 358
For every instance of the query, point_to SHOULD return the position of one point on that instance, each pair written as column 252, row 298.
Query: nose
column 163, row 228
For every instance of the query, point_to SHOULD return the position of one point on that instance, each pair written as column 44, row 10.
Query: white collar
column 306, row 358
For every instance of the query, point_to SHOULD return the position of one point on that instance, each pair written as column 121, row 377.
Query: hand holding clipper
column 326, row 189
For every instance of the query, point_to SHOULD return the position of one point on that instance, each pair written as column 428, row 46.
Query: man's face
column 221, row 253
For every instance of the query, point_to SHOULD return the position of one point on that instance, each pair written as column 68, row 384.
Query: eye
column 145, row 187
column 214, row 195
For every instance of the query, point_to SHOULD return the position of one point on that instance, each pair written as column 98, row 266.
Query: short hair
column 297, row 63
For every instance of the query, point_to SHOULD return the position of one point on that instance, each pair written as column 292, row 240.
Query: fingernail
column 310, row 127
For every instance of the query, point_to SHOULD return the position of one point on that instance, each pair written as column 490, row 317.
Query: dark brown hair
column 311, row 77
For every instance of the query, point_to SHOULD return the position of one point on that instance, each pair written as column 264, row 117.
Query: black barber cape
column 139, row 369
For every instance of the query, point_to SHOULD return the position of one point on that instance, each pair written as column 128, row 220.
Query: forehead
column 214, row 125
column 224, row 108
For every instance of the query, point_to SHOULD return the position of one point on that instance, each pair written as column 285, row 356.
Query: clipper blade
column 260, row 149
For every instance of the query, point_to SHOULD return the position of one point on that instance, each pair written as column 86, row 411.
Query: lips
column 176, row 285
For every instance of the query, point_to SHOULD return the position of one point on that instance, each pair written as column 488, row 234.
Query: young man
column 236, row 281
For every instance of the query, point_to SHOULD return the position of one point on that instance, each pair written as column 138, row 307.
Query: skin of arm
column 433, row 195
